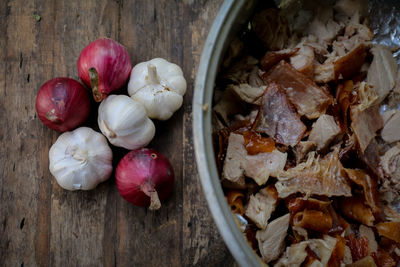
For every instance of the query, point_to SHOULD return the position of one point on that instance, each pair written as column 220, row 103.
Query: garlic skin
column 159, row 85
column 124, row 122
column 80, row 159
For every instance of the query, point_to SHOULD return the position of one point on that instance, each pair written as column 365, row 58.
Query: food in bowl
column 306, row 133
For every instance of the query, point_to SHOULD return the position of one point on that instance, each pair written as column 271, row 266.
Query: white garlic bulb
column 124, row 122
column 80, row 159
column 159, row 85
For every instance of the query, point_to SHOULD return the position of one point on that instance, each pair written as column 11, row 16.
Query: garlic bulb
column 124, row 122
column 80, row 159
column 159, row 85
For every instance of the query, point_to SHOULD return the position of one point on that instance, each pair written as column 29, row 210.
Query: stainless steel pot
column 384, row 21
column 231, row 16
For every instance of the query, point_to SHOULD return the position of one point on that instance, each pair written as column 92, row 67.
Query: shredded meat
column 316, row 176
column 279, row 120
column 303, row 61
column 309, row 99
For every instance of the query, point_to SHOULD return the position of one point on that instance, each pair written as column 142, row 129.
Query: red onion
column 105, row 66
column 144, row 177
column 62, row 104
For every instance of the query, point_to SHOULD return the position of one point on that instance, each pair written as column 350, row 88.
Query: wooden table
column 44, row 225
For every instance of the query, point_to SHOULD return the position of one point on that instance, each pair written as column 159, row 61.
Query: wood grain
column 43, row 225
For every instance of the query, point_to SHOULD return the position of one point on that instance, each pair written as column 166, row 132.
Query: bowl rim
column 202, row 132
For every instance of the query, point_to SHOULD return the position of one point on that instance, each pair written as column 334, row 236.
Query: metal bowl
column 229, row 20
column 384, row 21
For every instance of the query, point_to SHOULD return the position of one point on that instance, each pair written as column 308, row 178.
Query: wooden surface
column 43, row 225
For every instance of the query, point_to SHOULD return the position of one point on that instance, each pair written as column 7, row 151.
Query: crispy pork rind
column 316, row 176
column 271, row 58
column 355, row 209
column 308, row 98
column 278, row 118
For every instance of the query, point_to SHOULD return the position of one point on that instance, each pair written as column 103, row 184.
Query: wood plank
column 202, row 243
column 153, row 29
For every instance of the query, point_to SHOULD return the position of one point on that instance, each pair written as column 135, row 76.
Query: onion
column 144, row 177
column 105, row 66
column 62, row 104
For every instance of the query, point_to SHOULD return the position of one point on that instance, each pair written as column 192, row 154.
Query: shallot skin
column 109, row 64
column 62, row 104
column 143, row 172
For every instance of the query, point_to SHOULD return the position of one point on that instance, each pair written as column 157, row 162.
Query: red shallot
column 144, row 177
column 62, row 104
column 105, row 66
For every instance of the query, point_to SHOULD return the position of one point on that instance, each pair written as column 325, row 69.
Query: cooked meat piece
column 299, row 233
column 365, row 123
column 228, row 105
column 294, row 255
column 303, row 61
column 340, row 67
column 391, row 214
column 350, row 64
column 309, row 99
column 259, row 167
column 351, row 10
column 355, row 209
column 366, row 95
column 302, row 149
column 324, row 73
column 390, row 163
column 240, row 71
column 271, row 58
column 324, row 130
column 323, row 248
column 391, row 131
column 372, row 157
column 271, row 241
column 234, row 50
column 387, row 115
column 271, row 28
column 369, row 185
column 323, row 26
column 261, row 205
column 246, row 92
column 315, row 176
column 389, row 230
column 233, row 170
column 382, row 73
column 367, row 261
column 278, row 118
column 369, row 234
column 347, row 259
column 263, row 165
column 254, row 79
column 297, row 253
